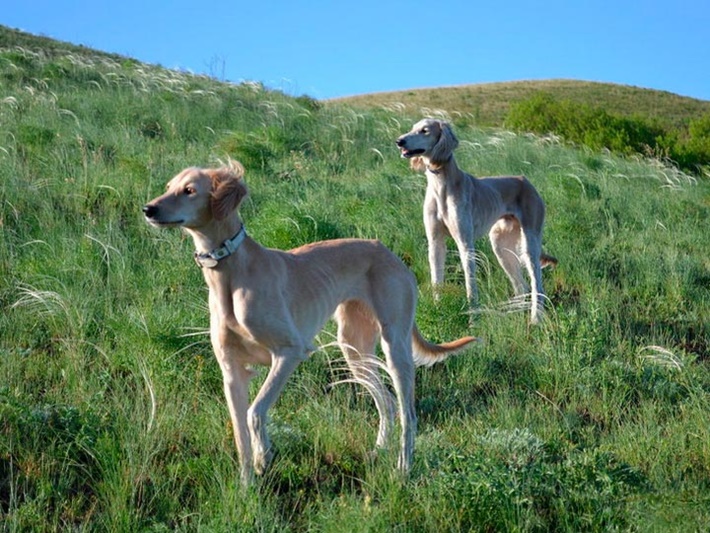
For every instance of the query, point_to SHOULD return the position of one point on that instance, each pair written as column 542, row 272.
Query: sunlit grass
column 112, row 413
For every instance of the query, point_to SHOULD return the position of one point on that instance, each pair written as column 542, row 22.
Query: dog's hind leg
column 530, row 256
column 397, row 346
column 394, row 301
column 358, row 333
column 506, row 240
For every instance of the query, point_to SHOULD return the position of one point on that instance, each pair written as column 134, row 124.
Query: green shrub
column 514, row 481
column 598, row 129
column 693, row 150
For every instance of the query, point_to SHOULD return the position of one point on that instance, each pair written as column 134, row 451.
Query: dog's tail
column 548, row 261
column 427, row 353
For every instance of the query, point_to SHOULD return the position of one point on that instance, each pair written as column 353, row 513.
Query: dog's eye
column 425, row 131
column 189, row 190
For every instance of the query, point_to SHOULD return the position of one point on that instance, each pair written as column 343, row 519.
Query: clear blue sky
column 339, row 48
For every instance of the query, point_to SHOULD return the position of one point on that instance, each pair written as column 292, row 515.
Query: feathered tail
column 427, row 353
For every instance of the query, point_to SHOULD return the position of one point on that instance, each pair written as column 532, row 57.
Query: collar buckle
column 205, row 260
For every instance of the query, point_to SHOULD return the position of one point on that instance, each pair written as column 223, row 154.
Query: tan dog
column 267, row 305
column 465, row 208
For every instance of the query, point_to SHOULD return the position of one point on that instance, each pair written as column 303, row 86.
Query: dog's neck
column 443, row 171
column 443, row 178
column 217, row 240
column 439, row 167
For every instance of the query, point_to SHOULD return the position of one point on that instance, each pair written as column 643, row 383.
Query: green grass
column 112, row 414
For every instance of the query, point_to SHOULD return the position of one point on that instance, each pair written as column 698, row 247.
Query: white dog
column 508, row 208
column 267, row 305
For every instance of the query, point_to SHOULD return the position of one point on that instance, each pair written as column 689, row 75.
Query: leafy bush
column 693, row 150
column 512, row 480
column 598, row 129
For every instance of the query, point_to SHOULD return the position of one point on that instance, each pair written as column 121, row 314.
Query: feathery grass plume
column 661, row 356
column 43, row 302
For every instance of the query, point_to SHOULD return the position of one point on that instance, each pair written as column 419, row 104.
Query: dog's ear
column 417, row 164
column 228, row 189
column 445, row 146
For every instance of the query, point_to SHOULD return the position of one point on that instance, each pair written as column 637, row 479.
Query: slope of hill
column 12, row 38
column 489, row 103
column 112, row 413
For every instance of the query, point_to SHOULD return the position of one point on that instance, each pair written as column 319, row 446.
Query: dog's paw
column 262, row 459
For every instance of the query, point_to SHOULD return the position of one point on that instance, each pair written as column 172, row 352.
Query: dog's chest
column 250, row 350
column 447, row 200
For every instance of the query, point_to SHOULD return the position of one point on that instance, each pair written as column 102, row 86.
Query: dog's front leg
column 436, row 239
column 227, row 345
column 236, row 391
column 462, row 233
column 468, row 262
column 235, row 377
column 283, row 363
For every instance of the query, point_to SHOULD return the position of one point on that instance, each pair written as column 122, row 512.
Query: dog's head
column 196, row 196
column 429, row 139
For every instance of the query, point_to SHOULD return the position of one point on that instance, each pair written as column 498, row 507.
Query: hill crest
column 488, row 103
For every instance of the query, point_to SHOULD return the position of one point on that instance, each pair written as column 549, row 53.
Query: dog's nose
column 400, row 141
column 150, row 210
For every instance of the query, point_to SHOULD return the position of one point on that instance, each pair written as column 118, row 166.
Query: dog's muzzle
column 152, row 217
column 404, row 152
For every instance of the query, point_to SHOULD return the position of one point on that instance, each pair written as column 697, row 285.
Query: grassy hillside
column 487, row 104
column 112, row 414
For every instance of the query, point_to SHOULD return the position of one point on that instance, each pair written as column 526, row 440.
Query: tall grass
column 111, row 407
